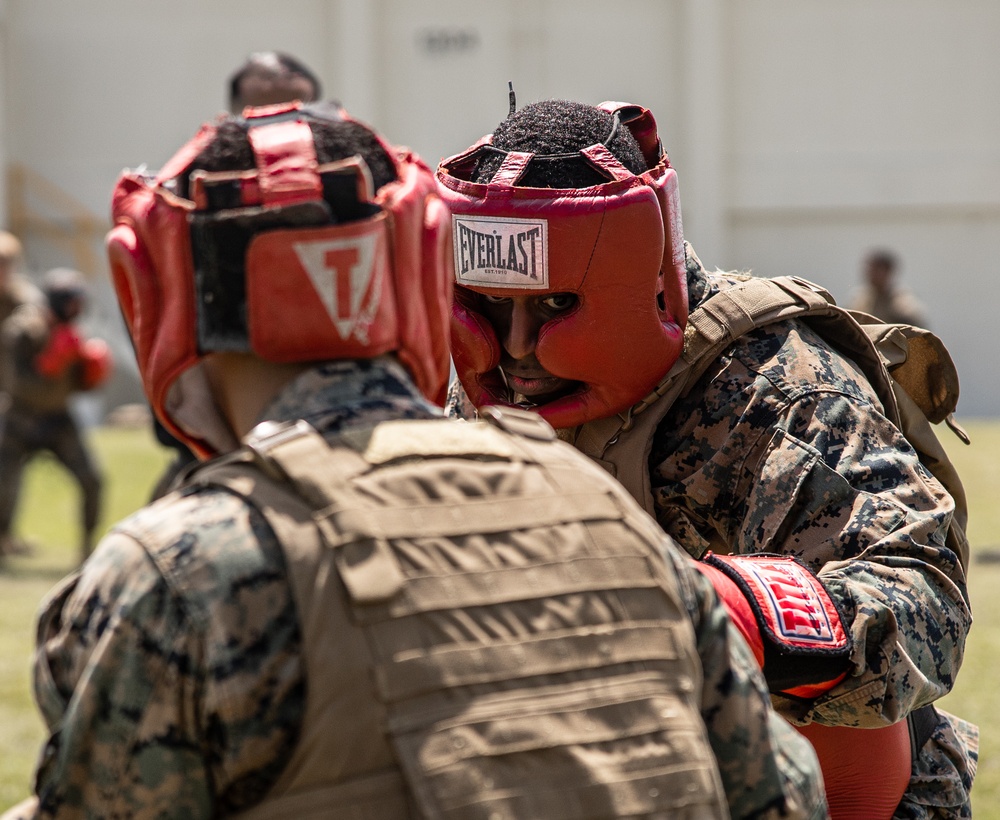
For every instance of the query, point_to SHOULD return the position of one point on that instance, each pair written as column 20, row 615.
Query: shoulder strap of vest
column 908, row 368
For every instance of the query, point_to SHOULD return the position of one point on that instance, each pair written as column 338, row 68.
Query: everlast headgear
column 617, row 246
column 293, row 261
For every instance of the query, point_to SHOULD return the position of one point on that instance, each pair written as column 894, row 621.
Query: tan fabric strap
column 455, row 665
column 488, row 515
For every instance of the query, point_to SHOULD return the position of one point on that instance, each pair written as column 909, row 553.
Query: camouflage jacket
column 181, row 693
column 782, row 447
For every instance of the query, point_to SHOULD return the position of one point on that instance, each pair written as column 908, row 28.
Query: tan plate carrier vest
column 488, row 631
column 908, row 367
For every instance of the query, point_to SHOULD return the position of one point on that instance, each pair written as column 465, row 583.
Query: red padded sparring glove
column 97, row 363
column 787, row 617
column 62, row 351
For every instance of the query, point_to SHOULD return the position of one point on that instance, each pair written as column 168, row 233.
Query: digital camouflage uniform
column 38, row 419
column 176, row 688
column 16, row 292
column 782, row 447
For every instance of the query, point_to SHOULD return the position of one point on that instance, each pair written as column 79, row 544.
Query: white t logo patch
column 341, row 270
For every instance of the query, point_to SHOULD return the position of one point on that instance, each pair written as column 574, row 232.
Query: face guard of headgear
column 292, row 261
column 618, row 247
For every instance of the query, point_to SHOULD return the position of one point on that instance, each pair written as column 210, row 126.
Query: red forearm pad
column 802, row 629
column 850, row 758
column 738, row 607
column 62, row 350
column 97, row 362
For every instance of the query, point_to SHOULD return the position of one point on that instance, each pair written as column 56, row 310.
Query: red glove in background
column 62, row 351
column 97, row 362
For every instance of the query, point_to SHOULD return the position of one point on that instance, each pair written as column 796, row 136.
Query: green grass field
column 132, row 460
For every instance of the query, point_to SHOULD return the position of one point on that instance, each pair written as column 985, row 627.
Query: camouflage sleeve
column 810, row 467
column 170, row 678
column 882, row 555
column 768, row 769
column 457, row 404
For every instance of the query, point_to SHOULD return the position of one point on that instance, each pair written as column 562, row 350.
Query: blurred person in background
column 269, row 77
column 358, row 607
column 46, row 360
column 15, row 290
column 882, row 296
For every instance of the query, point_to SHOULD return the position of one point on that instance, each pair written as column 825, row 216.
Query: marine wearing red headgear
column 617, row 246
column 317, row 286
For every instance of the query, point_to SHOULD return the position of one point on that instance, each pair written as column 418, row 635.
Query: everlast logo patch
column 502, row 252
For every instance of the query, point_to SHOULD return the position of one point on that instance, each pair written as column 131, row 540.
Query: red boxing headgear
column 293, row 261
column 617, row 246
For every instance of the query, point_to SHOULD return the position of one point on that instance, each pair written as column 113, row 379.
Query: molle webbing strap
column 426, row 672
column 489, row 514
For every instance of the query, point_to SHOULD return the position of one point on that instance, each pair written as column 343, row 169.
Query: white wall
column 803, row 132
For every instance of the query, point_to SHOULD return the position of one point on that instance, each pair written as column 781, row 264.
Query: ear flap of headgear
column 673, row 271
column 150, row 261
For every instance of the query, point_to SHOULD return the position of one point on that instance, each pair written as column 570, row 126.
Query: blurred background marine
column 269, row 77
column 15, row 290
column 46, row 360
column 882, row 296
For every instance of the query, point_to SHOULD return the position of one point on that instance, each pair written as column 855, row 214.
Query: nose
column 522, row 330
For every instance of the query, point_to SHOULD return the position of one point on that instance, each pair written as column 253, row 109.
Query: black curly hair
column 560, row 127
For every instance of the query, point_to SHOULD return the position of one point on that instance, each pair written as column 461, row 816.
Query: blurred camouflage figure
column 46, row 361
column 15, row 290
column 358, row 607
column 762, row 448
column 881, row 295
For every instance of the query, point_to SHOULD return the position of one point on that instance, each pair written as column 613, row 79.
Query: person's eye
column 496, row 300
column 560, row 302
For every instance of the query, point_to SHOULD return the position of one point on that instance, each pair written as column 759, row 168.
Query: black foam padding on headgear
column 219, row 242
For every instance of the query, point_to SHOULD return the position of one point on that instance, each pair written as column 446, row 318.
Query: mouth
column 538, row 388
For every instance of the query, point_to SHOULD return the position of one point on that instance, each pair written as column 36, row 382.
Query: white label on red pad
column 501, row 252
column 341, row 270
column 794, row 603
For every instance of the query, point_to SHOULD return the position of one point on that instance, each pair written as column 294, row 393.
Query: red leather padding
column 349, row 311
column 618, row 246
column 401, row 301
column 149, row 252
column 865, row 771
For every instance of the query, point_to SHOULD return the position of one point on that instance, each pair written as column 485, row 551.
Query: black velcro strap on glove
column 802, row 629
